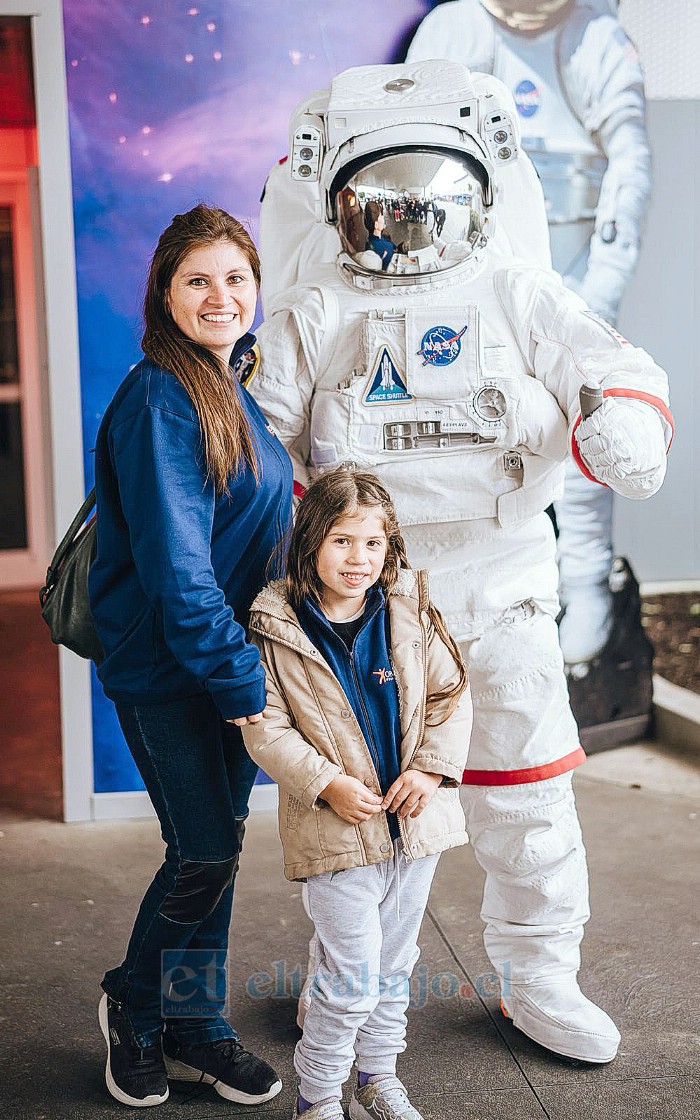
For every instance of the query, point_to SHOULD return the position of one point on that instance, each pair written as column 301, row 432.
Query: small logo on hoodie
column 384, row 675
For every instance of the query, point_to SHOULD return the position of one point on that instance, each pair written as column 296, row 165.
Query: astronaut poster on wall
column 578, row 89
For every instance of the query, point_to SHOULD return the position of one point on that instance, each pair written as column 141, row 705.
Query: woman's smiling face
column 212, row 296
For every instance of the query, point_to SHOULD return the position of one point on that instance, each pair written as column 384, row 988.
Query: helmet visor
column 413, row 211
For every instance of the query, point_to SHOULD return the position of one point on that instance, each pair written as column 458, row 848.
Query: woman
column 378, row 240
column 194, row 495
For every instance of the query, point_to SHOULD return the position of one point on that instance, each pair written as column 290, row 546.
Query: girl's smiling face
column 350, row 561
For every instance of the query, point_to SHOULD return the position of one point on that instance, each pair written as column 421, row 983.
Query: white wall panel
column 661, row 312
column 667, row 36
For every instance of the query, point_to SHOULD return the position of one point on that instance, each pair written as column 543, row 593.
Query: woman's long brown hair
column 226, row 436
column 343, row 493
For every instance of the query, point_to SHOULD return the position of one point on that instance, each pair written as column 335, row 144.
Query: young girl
column 366, row 731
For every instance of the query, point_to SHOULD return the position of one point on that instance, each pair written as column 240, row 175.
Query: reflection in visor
column 412, row 213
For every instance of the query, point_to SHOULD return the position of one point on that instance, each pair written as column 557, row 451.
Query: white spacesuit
column 454, row 373
column 579, row 91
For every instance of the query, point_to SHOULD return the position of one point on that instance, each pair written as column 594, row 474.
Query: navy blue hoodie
column 367, row 679
column 177, row 566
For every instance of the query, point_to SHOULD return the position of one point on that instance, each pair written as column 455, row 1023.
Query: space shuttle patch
column 385, row 384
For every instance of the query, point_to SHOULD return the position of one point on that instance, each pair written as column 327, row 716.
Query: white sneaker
column 382, row 1098
column 559, row 1017
column 329, row 1108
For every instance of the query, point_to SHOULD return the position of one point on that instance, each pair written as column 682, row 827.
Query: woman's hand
column 351, row 800
column 410, row 793
column 243, row 720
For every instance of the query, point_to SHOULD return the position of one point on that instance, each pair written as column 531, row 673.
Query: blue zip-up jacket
column 367, row 679
column 384, row 247
column 177, row 566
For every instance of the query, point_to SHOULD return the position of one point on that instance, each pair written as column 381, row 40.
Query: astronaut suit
column 454, row 374
column 579, row 92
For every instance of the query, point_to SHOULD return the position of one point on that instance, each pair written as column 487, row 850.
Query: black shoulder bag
column 65, row 602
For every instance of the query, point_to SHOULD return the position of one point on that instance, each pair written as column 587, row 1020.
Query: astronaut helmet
column 405, row 160
column 411, row 210
column 528, row 16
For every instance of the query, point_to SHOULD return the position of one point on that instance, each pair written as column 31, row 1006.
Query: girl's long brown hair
column 226, row 436
column 343, row 493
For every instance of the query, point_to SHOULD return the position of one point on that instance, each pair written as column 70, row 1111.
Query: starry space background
column 172, row 103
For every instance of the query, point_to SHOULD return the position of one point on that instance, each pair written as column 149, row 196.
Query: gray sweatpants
column 367, row 921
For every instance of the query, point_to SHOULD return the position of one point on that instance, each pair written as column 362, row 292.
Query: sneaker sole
column 178, row 1071
column 114, row 1090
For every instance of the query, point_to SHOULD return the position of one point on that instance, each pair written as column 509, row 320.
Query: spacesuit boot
column 588, row 142
column 528, row 840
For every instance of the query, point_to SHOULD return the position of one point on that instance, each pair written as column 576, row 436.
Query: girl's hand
column 243, row 720
column 410, row 793
column 351, row 800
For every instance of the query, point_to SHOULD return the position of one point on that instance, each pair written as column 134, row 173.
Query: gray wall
column 661, row 312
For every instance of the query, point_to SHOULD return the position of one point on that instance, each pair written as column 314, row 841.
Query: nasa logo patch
column 527, row 98
column 441, row 346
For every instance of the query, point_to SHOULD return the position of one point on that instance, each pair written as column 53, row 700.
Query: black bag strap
column 64, row 547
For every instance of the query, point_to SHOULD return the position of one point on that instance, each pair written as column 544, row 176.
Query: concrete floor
column 70, row 894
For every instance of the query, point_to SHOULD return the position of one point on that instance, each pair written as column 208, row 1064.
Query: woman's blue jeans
column 199, row 776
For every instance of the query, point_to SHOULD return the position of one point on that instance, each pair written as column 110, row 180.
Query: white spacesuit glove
column 623, row 445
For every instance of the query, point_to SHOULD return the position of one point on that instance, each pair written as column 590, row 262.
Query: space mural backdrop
column 172, row 103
